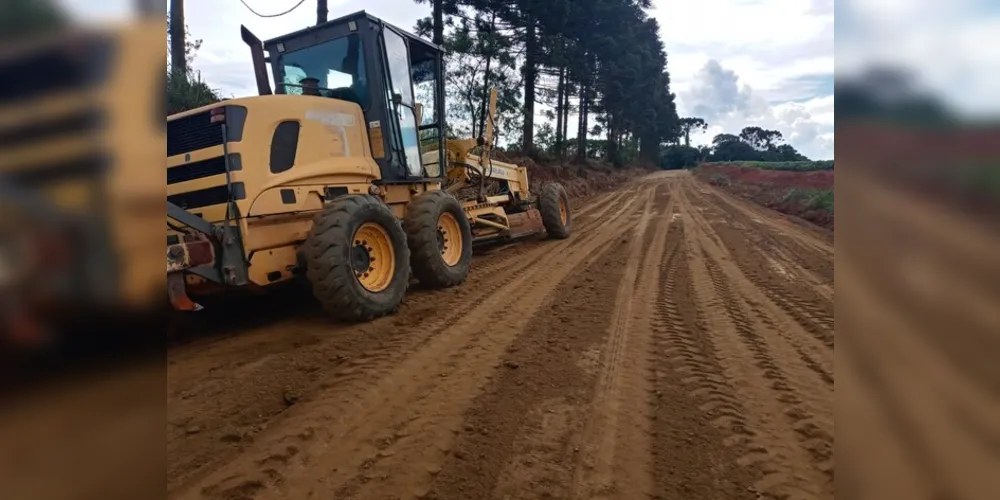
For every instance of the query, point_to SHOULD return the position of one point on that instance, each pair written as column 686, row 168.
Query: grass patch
column 811, row 199
column 721, row 180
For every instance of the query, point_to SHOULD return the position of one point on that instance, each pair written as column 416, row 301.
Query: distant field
column 806, row 193
column 798, row 166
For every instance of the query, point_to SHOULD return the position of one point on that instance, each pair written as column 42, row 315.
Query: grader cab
column 342, row 173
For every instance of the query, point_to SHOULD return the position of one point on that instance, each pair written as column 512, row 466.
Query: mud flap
column 525, row 223
column 177, row 291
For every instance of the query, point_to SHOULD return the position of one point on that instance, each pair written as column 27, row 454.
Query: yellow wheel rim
column 450, row 239
column 563, row 211
column 372, row 257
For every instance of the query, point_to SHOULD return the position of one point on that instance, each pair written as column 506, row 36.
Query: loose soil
column 678, row 345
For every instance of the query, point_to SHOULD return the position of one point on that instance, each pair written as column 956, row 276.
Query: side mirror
column 418, row 109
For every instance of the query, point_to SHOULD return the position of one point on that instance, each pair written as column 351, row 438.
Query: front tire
column 440, row 239
column 356, row 258
column 553, row 204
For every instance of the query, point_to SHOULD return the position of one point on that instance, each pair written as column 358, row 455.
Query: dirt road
column 678, row 345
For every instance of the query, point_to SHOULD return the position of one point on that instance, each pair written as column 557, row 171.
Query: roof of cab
column 357, row 15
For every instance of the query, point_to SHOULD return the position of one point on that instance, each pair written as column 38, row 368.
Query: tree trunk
column 438, row 23
column 581, row 133
column 321, row 11
column 565, row 121
column 486, row 79
column 178, row 57
column 687, row 138
column 530, row 73
column 612, row 141
column 559, row 111
column 485, row 99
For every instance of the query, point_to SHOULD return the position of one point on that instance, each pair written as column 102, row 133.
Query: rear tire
column 553, row 204
column 440, row 239
column 357, row 261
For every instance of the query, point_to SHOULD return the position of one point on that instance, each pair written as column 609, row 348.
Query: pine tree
column 602, row 59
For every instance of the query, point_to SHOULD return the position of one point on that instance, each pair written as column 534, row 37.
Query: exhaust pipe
column 257, row 56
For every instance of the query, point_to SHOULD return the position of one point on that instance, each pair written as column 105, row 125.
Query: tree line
column 185, row 88
column 601, row 60
column 751, row 144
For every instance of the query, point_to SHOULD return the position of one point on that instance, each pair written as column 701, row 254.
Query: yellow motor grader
column 341, row 173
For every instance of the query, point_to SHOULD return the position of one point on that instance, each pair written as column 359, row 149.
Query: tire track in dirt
column 601, row 202
column 224, row 405
column 776, row 222
column 519, row 435
column 596, row 211
column 308, row 354
column 690, row 387
column 775, row 337
column 524, row 435
column 800, row 303
column 786, row 442
column 614, row 457
column 747, row 267
column 803, row 253
column 281, row 466
column 430, row 430
column 816, row 440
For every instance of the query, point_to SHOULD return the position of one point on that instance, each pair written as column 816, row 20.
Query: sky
column 950, row 46
column 735, row 63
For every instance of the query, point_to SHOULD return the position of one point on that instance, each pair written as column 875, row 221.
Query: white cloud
column 768, row 63
column 718, row 95
column 781, row 50
column 224, row 60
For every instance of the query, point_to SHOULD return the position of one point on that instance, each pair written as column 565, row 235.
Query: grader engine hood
column 199, row 170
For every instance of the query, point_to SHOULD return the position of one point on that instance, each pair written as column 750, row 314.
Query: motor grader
column 341, row 173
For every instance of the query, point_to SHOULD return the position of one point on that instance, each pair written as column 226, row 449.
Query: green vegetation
column 797, row 166
column 187, row 91
column 811, row 199
column 185, row 88
column 722, row 180
column 754, row 145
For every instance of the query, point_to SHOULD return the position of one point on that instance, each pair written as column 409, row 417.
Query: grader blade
column 525, row 223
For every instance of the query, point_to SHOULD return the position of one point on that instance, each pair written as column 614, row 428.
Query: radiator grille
column 197, row 170
column 201, row 198
column 192, row 133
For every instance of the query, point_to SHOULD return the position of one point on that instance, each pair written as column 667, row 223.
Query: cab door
column 402, row 106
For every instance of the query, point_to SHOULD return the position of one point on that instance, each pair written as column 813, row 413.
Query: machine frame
column 252, row 230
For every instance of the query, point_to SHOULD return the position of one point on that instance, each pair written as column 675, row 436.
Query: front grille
column 192, row 133
column 201, row 198
column 197, row 170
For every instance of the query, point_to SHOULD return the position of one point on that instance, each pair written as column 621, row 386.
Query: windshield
column 335, row 68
